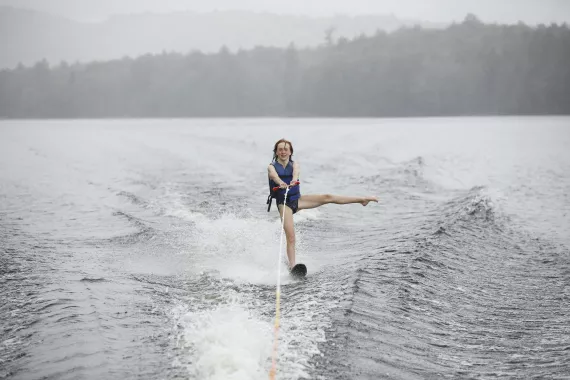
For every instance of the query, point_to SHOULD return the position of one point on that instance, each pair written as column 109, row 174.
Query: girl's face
column 283, row 151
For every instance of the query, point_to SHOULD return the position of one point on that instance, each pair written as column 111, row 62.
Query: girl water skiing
column 284, row 173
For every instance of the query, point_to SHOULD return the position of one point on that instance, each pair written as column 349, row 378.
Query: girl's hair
column 279, row 142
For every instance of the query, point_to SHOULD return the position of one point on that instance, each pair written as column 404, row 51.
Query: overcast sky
column 509, row 11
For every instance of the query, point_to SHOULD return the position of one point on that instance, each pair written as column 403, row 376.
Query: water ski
column 299, row 270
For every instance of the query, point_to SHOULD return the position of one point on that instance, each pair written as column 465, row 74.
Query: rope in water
column 278, row 297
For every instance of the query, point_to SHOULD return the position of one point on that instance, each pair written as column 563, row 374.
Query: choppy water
column 143, row 249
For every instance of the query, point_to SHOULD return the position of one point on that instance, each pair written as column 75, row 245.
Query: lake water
column 142, row 249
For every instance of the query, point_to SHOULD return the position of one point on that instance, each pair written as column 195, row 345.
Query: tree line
column 468, row 68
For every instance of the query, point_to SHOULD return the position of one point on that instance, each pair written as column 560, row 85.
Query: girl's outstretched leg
column 312, row 201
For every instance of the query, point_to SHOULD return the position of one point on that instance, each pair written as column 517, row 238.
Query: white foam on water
column 244, row 249
column 234, row 340
column 227, row 342
column 306, row 215
column 172, row 204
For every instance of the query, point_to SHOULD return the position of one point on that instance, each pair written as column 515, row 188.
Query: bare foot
column 366, row 200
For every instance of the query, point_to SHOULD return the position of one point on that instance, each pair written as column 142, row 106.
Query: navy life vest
column 286, row 175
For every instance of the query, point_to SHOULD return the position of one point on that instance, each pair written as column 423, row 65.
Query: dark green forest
column 468, row 68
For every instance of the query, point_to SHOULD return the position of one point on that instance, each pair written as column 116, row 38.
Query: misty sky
column 509, row 11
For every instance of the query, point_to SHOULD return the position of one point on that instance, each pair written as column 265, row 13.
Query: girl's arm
column 296, row 172
column 272, row 173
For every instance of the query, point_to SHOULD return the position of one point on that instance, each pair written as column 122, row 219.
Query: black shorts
column 293, row 205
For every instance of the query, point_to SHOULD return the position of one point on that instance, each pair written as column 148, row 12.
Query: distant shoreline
column 290, row 118
column 471, row 68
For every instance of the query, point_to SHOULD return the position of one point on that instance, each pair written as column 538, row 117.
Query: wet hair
column 279, row 142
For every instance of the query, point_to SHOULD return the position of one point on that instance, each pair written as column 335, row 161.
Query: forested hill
column 469, row 68
column 28, row 36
